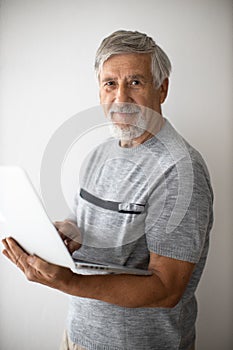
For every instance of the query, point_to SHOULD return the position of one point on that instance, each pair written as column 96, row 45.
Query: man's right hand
column 69, row 233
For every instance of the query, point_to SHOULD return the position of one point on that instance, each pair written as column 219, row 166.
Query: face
column 126, row 86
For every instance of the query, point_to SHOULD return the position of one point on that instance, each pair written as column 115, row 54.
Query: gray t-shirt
column 168, row 179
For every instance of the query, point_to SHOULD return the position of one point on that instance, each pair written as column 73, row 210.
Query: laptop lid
column 23, row 217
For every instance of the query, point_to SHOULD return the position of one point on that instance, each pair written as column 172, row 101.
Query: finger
column 17, row 255
column 14, row 246
column 5, row 252
column 58, row 223
column 61, row 228
column 67, row 241
column 63, row 237
column 66, row 237
column 8, row 251
column 14, row 260
column 72, row 246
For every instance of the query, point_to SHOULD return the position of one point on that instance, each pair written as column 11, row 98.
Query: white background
column 47, row 51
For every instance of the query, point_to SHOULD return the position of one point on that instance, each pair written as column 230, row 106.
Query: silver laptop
column 23, row 217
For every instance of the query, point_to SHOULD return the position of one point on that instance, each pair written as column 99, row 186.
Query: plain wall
column 47, row 51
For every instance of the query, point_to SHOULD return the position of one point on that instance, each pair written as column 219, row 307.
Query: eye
column 135, row 82
column 109, row 83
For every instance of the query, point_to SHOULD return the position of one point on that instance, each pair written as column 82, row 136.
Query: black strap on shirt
column 120, row 207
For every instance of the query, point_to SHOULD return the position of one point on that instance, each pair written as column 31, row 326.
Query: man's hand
column 36, row 269
column 70, row 234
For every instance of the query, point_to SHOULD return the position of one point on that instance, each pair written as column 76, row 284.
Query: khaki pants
column 67, row 344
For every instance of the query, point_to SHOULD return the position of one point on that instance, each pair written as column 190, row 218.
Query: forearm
column 163, row 288
column 122, row 290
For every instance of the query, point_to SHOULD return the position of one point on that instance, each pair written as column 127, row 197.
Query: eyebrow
column 107, row 79
column 134, row 76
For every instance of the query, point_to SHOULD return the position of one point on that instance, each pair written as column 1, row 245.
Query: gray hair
column 123, row 42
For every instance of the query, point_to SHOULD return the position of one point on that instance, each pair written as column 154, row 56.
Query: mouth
column 124, row 117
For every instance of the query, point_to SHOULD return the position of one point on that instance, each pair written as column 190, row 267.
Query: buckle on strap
column 131, row 207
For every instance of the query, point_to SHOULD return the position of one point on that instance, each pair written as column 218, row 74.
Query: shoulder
column 182, row 162
column 179, row 149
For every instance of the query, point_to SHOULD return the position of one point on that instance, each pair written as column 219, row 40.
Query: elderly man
column 165, row 185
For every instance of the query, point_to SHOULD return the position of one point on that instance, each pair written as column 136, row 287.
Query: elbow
column 171, row 301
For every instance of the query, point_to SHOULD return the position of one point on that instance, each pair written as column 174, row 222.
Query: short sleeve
column 185, row 217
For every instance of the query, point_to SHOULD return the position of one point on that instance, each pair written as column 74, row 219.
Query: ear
column 164, row 90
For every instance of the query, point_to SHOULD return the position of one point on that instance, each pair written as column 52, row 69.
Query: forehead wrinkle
column 136, row 76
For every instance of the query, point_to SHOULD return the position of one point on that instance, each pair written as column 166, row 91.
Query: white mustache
column 124, row 108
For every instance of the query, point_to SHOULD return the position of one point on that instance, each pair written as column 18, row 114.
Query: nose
column 122, row 93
